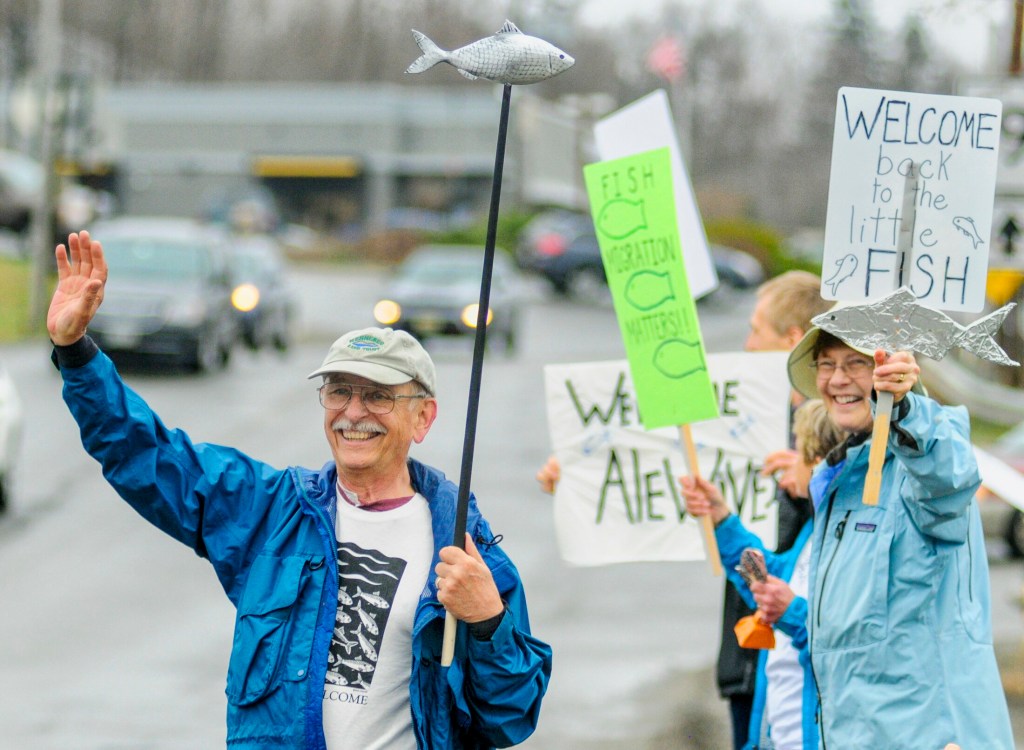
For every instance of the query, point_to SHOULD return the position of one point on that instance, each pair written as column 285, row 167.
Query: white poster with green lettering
column 633, row 205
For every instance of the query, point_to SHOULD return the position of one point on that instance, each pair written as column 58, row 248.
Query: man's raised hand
column 80, row 281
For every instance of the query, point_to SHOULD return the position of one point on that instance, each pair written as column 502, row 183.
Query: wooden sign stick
column 884, row 399
column 707, row 525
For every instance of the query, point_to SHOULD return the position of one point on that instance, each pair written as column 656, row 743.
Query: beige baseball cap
column 382, row 355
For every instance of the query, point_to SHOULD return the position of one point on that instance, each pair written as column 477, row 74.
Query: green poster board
column 633, row 205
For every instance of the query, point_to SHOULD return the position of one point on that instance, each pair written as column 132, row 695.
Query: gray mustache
column 342, row 423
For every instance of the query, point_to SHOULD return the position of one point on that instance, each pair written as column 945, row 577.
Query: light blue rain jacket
column 270, row 537
column 900, row 630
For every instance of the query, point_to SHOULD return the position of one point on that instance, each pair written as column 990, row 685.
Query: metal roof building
column 333, row 155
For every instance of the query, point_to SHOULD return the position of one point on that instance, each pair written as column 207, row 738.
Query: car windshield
column 253, row 264
column 22, row 173
column 443, row 269
column 155, row 258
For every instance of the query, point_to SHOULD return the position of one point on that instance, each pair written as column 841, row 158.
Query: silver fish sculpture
column 509, row 57
column 897, row 322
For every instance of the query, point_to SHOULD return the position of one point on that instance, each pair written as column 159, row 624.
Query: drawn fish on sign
column 845, row 268
column 965, row 225
column 648, row 289
column 898, row 322
column 677, row 359
column 508, row 56
column 621, row 217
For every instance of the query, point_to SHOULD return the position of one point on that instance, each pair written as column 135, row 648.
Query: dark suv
column 561, row 246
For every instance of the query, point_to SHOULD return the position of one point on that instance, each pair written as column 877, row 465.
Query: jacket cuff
column 77, row 354
column 484, row 629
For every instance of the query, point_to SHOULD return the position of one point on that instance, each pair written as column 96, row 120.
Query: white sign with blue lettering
column 918, row 165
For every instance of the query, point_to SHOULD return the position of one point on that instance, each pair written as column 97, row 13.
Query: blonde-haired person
column 784, row 711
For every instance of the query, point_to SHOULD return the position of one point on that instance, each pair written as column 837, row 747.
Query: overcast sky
column 971, row 30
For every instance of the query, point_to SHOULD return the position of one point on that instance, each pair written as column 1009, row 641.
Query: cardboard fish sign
column 508, row 56
column 898, row 322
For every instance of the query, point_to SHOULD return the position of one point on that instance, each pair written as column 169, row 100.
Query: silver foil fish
column 897, row 323
column 509, row 56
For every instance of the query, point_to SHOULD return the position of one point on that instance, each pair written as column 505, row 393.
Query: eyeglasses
column 854, row 367
column 376, row 399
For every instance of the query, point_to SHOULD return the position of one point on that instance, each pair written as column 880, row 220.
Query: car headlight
column 387, row 312
column 189, row 311
column 471, row 312
column 245, row 297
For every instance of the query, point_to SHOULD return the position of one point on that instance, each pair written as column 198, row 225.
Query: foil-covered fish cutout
column 509, row 56
column 897, row 322
column 752, row 566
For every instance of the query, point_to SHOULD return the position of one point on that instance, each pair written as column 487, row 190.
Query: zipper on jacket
column 840, row 528
column 970, row 561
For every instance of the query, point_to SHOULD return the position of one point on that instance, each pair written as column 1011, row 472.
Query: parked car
column 21, row 184
column 1001, row 517
column 435, row 291
column 168, row 294
column 262, row 300
column 22, row 180
column 562, row 246
column 10, row 435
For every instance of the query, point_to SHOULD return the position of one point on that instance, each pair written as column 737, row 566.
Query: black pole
column 479, row 345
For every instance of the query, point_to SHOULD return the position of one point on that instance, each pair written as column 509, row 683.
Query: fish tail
column 432, row 54
column 977, row 338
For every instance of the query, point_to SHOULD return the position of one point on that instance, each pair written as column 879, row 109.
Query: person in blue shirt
column 342, row 575
column 784, row 709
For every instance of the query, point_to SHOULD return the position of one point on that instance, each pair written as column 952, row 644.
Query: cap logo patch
column 366, row 342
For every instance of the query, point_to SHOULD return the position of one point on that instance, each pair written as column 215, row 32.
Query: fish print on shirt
column 367, row 583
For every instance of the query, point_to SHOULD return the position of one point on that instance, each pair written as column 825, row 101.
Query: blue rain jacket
column 732, row 539
column 900, row 629
column 269, row 535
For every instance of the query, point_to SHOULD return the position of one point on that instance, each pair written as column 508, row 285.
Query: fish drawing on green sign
column 647, row 289
column 621, row 217
column 677, row 359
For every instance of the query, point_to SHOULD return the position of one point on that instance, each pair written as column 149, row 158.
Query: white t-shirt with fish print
column 383, row 561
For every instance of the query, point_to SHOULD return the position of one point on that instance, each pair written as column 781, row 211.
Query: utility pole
column 48, row 53
column 1018, row 29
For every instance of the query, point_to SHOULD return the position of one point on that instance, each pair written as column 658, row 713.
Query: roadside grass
column 14, row 289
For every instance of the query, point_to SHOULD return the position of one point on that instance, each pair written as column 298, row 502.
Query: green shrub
column 760, row 240
column 14, row 292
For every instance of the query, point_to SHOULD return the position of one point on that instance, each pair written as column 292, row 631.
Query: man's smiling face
column 364, row 442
